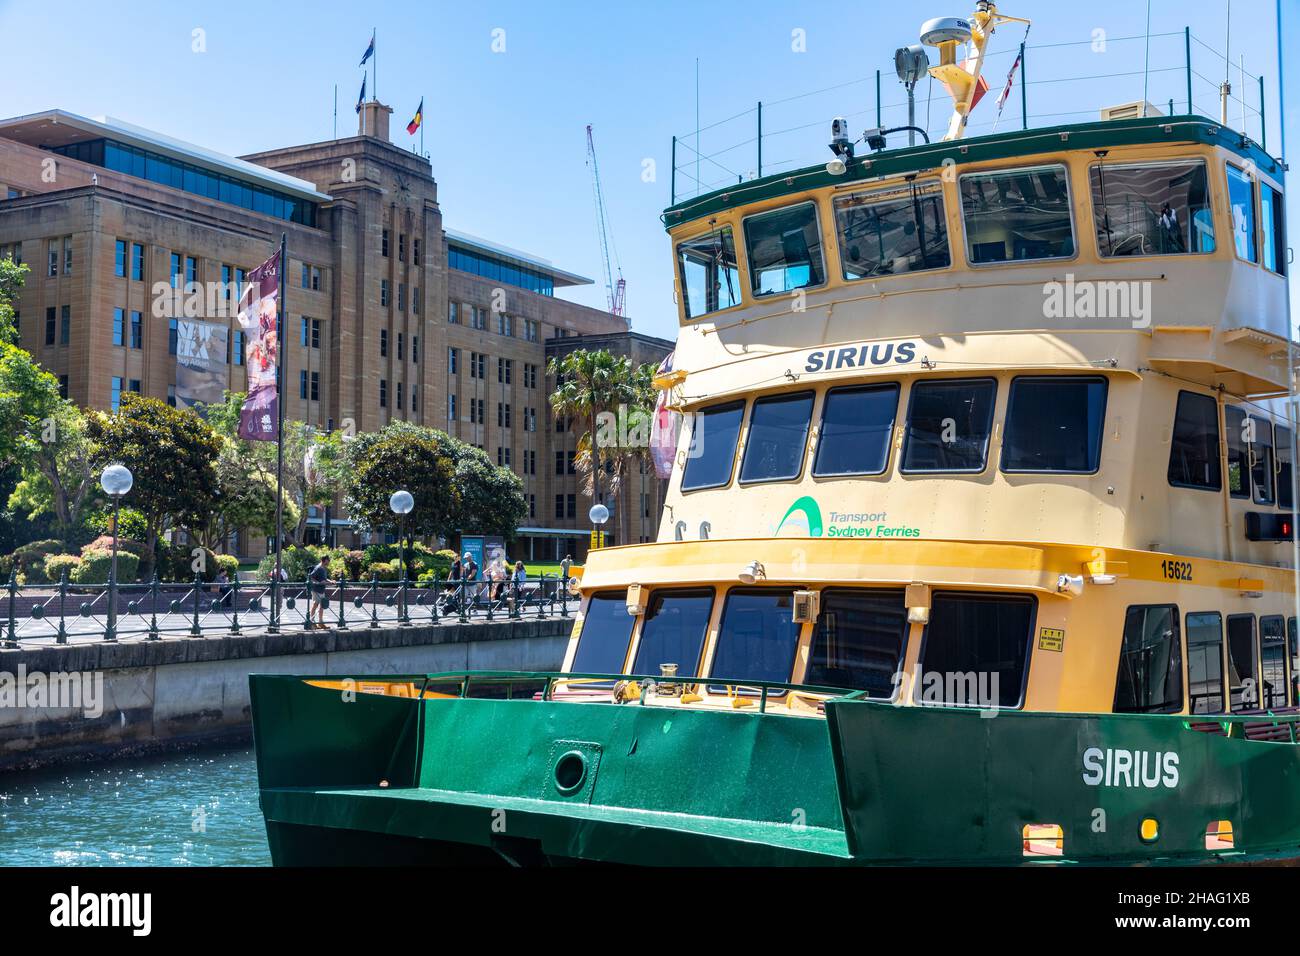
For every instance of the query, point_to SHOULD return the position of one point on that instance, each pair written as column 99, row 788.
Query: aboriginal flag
column 417, row 119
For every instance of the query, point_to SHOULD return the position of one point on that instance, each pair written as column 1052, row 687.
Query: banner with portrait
column 258, row 305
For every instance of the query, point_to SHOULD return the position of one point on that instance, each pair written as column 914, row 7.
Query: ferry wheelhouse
column 977, row 547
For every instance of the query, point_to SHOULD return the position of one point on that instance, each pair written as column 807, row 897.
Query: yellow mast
column 946, row 33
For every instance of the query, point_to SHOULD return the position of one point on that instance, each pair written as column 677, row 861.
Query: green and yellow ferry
column 977, row 546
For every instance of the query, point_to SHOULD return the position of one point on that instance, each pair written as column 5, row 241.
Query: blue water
column 192, row 809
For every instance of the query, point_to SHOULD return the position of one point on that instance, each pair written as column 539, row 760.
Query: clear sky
column 505, row 129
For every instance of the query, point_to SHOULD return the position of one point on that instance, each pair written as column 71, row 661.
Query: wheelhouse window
column 785, row 250
column 857, row 424
column 1241, row 198
column 1205, row 662
column 778, row 432
column 948, row 425
column 1242, row 686
column 709, row 274
column 1259, row 435
column 1194, row 451
column 859, row 641
column 1018, row 214
column 1234, row 422
column 606, row 633
column 1271, row 228
column 1272, row 665
column 1285, row 452
column 975, row 652
column 892, row 231
column 1150, row 677
column 1152, row 209
column 1054, row 424
column 672, row 631
column 757, row 638
column 713, row 446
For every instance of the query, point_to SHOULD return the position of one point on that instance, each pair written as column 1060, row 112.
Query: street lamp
column 116, row 480
column 402, row 503
column 598, row 514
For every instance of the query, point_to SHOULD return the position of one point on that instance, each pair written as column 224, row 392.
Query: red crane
column 615, row 289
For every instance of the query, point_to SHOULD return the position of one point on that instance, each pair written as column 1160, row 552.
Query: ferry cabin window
column 672, row 631
column 1205, row 662
column 1194, row 451
column 1242, row 685
column 1153, row 209
column 757, row 637
column 784, row 249
column 713, row 446
column 1234, row 422
column 1271, row 230
column 606, row 633
column 1259, row 439
column 1017, row 214
column 1294, row 645
column 778, row 432
column 892, row 231
column 948, row 425
column 1285, row 452
column 710, row 277
column 975, row 651
column 1241, row 198
column 1272, row 664
column 857, row 424
column 1054, row 424
column 1150, row 677
column 859, row 641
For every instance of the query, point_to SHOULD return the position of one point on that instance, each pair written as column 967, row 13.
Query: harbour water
column 190, row 809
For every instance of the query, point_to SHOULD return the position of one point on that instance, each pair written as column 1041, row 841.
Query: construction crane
column 615, row 289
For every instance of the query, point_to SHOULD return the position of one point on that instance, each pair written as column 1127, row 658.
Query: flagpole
column 281, row 344
column 336, row 111
column 374, row 65
column 421, row 124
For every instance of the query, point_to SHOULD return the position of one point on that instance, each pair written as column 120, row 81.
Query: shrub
column 130, row 523
column 354, row 561
column 178, row 563
column 105, row 543
column 384, row 570
column 229, row 563
column 95, row 565
column 57, row 564
column 379, row 552
column 6, row 566
column 295, row 561
column 30, row 559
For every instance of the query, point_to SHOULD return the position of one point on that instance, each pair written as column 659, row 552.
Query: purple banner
column 259, row 418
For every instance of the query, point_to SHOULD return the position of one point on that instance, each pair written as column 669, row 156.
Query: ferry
column 978, row 546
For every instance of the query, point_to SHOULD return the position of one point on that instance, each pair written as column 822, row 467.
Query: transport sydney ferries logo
column 803, row 519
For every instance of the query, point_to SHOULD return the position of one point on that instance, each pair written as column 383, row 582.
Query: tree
column 491, row 498
column 59, row 477
column 588, row 385
column 172, row 453
column 245, row 499
column 29, row 395
column 12, row 278
column 401, row 456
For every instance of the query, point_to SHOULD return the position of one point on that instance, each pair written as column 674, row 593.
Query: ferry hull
column 380, row 780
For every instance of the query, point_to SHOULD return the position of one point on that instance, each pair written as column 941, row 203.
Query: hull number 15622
column 1176, row 570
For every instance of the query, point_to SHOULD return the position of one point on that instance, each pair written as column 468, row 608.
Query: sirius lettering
column 1129, row 768
column 860, row 356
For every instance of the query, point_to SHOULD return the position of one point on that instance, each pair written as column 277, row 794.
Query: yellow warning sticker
column 1051, row 639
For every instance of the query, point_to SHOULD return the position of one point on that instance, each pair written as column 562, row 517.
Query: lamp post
column 598, row 514
column 402, row 503
column 116, row 480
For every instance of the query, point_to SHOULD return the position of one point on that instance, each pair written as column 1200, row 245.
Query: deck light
column 841, row 146
column 1070, row 585
column 917, row 599
column 635, row 599
column 754, row 571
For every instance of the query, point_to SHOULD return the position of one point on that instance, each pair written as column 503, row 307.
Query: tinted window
column 757, row 637
column 606, row 632
column 784, row 249
column 1150, row 677
column 1019, row 214
column 709, row 276
column 857, row 424
column 1194, row 452
column 948, row 425
column 713, row 446
column 892, row 231
column 859, row 640
column 1285, row 452
column 1241, row 196
column 672, row 631
column 1152, row 210
column 1205, row 663
column 1259, row 436
column 1234, row 420
column 976, row 650
column 1054, row 424
column 778, row 431
column 1242, row 685
column 1271, row 228
column 1272, row 664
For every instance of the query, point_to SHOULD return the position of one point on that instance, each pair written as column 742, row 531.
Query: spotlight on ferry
column 1070, row 584
column 841, row 146
column 752, row 572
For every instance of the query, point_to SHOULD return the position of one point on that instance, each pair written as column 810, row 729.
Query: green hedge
column 56, row 564
column 95, row 565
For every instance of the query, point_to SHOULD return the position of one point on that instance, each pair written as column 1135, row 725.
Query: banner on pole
column 200, row 362
column 258, row 306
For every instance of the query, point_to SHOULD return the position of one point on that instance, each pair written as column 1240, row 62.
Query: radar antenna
column 963, row 80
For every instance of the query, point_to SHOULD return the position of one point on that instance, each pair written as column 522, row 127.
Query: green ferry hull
column 376, row 780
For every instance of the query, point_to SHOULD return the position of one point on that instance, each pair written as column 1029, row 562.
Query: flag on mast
column 370, row 51
column 362, row 98
column 258, row 314
column 417, row 119
column 1011, row 74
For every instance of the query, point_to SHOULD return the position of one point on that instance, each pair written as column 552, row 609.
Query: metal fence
column 65, row 612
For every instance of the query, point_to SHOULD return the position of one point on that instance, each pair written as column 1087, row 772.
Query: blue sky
column 506, row 130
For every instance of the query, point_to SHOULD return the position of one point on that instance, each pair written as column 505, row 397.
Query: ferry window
column 606, row 633
column 859, row 641
column 1152, row 209
column 1234, row 420
column 1259, row 439
column 1150, row 678
column 710, row 277
column 857, row 423
column 1271, row 229
column 948, row 425
column 672, row 631
column 1294, row 644
column 1272, row 665
column 1194, row 452
column 1054, row 424
column 778, row 432
column 757, row 637
column 1205, row 662
column 1241, row 197
column 892, row 231
column 785, row 250
column 1242, row 689
column 713, row 446
column 1285, row 452
column 1017, row 214
column 976, row 650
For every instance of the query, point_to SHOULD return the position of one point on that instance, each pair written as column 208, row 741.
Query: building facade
column 128, row 233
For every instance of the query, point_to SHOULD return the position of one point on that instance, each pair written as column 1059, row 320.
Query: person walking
column 223, row 587
column 317, row 579
column 564, row 568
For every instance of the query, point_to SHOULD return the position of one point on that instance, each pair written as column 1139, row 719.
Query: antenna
column 963, row 81
column 911, row 63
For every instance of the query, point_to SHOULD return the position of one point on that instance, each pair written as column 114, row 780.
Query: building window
column 171, row 395
column 134, row 385
column 401, row 247
column 453, row 313
column 503, row 414
column 1150, row 678
column 383, row 343
column 383, row 292
column 119, row 259
column 415, row 349
column 239, row 347
column 191, row 269
column 302, row 384
column 115, row 393
column 65, row 325
column 137, row 262
column 119, row 327
column 401, row 346
column 1054, row 424
column 571, row 505
column 383, row 393
column 415, row 300
column 383, row 247
column 63, row 386
column 401, row 297
column 978, row 634
column 173, row 331
column 453, row 356
column 1194, row 450
column 51, row 325
column 67, row 255
column 559, row 462
column 415, row 396
column 505, row 370
column 948, row 428
column 451, row 408
column 175, row 270
column 532, row 506
column 53, row 247
column 399, row 396
column 415, row 252
column 559, row 513
column 137, row 330
column 1019, row 214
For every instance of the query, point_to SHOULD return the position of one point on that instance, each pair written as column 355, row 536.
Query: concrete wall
column 179, row 691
